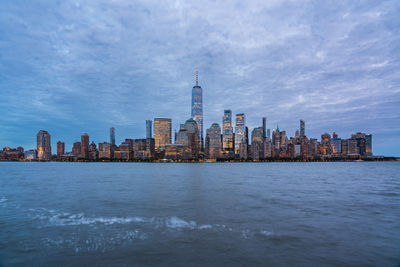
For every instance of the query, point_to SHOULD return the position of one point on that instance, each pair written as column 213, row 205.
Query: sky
column 74, row 67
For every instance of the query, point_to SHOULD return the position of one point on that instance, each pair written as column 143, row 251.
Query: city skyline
column 235, row 142
column 83, row 67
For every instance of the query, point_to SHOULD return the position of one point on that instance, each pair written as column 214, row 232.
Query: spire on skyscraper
column 197, row 78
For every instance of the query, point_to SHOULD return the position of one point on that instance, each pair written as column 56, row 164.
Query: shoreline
column 384, row 159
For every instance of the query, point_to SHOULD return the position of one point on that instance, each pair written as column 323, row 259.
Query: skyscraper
column 112, row 136
column 368, row 145
column 302, row 128
column 264, row 127
column 240, row 131
column 43, row 145
column 149, row 133
column 60, row 148
column 76, row 149
column 197, row 107
column 213, row 141
column 227, row 131
column 162, row 132
column 85, row 146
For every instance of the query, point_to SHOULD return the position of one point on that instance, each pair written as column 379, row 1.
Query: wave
column 95, row 243
column 52, row 218
column 3, row 199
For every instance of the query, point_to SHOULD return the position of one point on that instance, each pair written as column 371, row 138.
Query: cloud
column 83, row 66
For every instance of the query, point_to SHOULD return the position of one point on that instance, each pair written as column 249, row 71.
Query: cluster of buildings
column 232, row 141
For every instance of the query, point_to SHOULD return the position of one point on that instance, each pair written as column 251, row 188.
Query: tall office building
column 213, row 141
column 240, row 131
column 197, row 107
column 149, row 133
column 368, row 145
column 302, row 128
column 85, row 146
column 60, row 148
column 162, row 132
column 112, row 136
column 76, row 149
column 264, row 127
column 257, row 143
column 227, row 131
column 43, row 145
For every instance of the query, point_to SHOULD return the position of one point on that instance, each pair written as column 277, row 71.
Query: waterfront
column 321, row 214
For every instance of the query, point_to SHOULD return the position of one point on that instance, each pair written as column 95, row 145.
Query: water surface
column 224, row 214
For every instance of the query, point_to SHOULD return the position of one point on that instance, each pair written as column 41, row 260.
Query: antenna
column 197, row 77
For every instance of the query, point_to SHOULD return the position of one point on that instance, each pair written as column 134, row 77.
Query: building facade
column 227, row 132
column 60, row 148
column 213, row 141
column 197, row 108
column 302, row 128
column 240, row 132
column 112, row 136
column 43, row 145
column 149, row 133
column 85, row 146
column 162, row 133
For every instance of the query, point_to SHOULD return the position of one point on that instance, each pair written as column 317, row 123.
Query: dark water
column 234, row 214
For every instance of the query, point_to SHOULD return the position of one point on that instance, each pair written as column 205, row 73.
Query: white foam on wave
column 55, row 218
column 100, row 243
column 3, row 199
column 267, row 233
column 205, row 226
column 175, row 222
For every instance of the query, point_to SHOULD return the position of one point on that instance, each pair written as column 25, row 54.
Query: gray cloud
column 83, row 66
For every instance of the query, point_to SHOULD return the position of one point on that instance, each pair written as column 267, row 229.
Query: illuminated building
column 336, row 143
column 325, row 139
column 257, row 144
column 188, row 136
column 43, row 145
column 60, row 148
column 345, row 147
column 368, row 145
column 240, row 132
column 302, row 128
column 175, row 151
column 227, row 131
column 197, row 108
column 30, row 154
column 85, row 146
column 214, row 141
column 105, row 150
column 149, row 133
column 276, row 138
column 124, row 151
column 353, row 148
column 162, row 133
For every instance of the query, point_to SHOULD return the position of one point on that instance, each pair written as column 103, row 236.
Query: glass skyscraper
column 227, row 131
column 197, row 107
column 149, row 133
column 240, row 132
column 112, row 136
